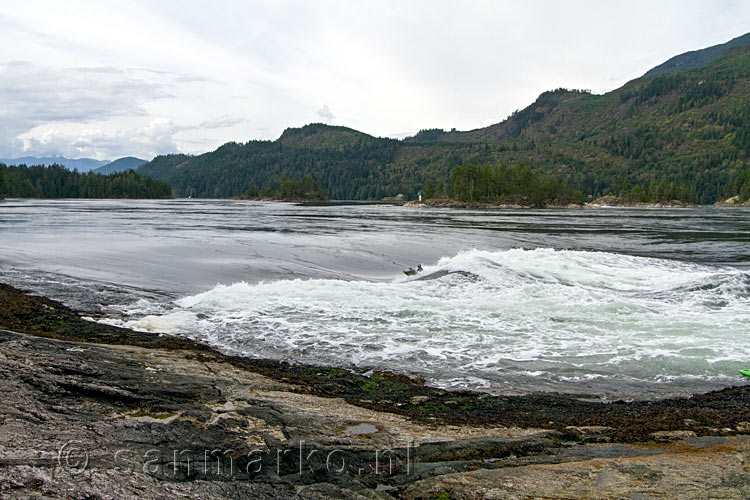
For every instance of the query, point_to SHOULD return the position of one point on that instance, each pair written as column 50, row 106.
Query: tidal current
column 604, row 303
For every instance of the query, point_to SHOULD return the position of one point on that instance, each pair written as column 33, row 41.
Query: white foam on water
column 504, row 321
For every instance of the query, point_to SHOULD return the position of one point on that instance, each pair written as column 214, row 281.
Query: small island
column 499, row 186
column 510, row 187
column 292, row 189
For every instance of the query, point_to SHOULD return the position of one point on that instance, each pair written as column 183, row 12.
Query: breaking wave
column 512, row 321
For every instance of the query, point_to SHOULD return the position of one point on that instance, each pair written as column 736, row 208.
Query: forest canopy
column 509, row 184
column 290, row 189
column 56, row 181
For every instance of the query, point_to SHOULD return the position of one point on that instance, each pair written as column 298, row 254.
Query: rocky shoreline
column 734, row 201
column 610, row 201
column 96, row 412
column 602, row 202
column 451, row 203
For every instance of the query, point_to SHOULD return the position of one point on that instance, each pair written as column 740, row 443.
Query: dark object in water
column 444, row 272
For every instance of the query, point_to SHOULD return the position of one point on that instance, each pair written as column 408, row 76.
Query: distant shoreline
column 603, row 202
column 430, row 203
column 448, row 203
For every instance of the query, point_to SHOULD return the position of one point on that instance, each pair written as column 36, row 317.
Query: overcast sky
column 105, row 79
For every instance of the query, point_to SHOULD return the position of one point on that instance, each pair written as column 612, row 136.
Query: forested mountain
column 698, row 58
column 687, row 131
column 120, row 165
column 348, row 164
column 56, row 181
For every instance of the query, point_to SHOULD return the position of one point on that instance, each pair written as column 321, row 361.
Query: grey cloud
column 190, row 79
column 175, row 77
column 33, row 95
column 325, row 114
column 389, row 66
column 10, row 145
column 224, row 122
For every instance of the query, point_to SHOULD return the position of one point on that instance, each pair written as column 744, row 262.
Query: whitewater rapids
column 514, row 321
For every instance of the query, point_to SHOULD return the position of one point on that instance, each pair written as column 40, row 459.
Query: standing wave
column 513, row 321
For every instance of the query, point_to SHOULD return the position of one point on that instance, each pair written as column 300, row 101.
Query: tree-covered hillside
column 688, row 129
column 698, row 58
column 56, row 181
column 120, row 165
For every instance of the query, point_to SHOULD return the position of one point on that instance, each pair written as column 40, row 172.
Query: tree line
column 740, row 186
column 55, row 181
column 509, row 184
column 291, row 189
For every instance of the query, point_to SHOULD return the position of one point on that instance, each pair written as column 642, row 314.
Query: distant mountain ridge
column 120, row 165
column 80, row 164
column 698, row 58
column 688, row 127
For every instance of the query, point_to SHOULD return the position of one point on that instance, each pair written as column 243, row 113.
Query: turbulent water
column 609, row 304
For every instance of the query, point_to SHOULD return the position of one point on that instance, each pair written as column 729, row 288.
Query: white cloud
column 156, row 137
column 190, row 76
column 42, row 105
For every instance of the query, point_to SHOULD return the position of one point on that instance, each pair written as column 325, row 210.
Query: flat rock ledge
column 451, row 203
column 610, row 201
column 86, row 421
column 734, row 201
column 91, row 421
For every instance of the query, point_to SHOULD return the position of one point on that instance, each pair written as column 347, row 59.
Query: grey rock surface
column 91, row 421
